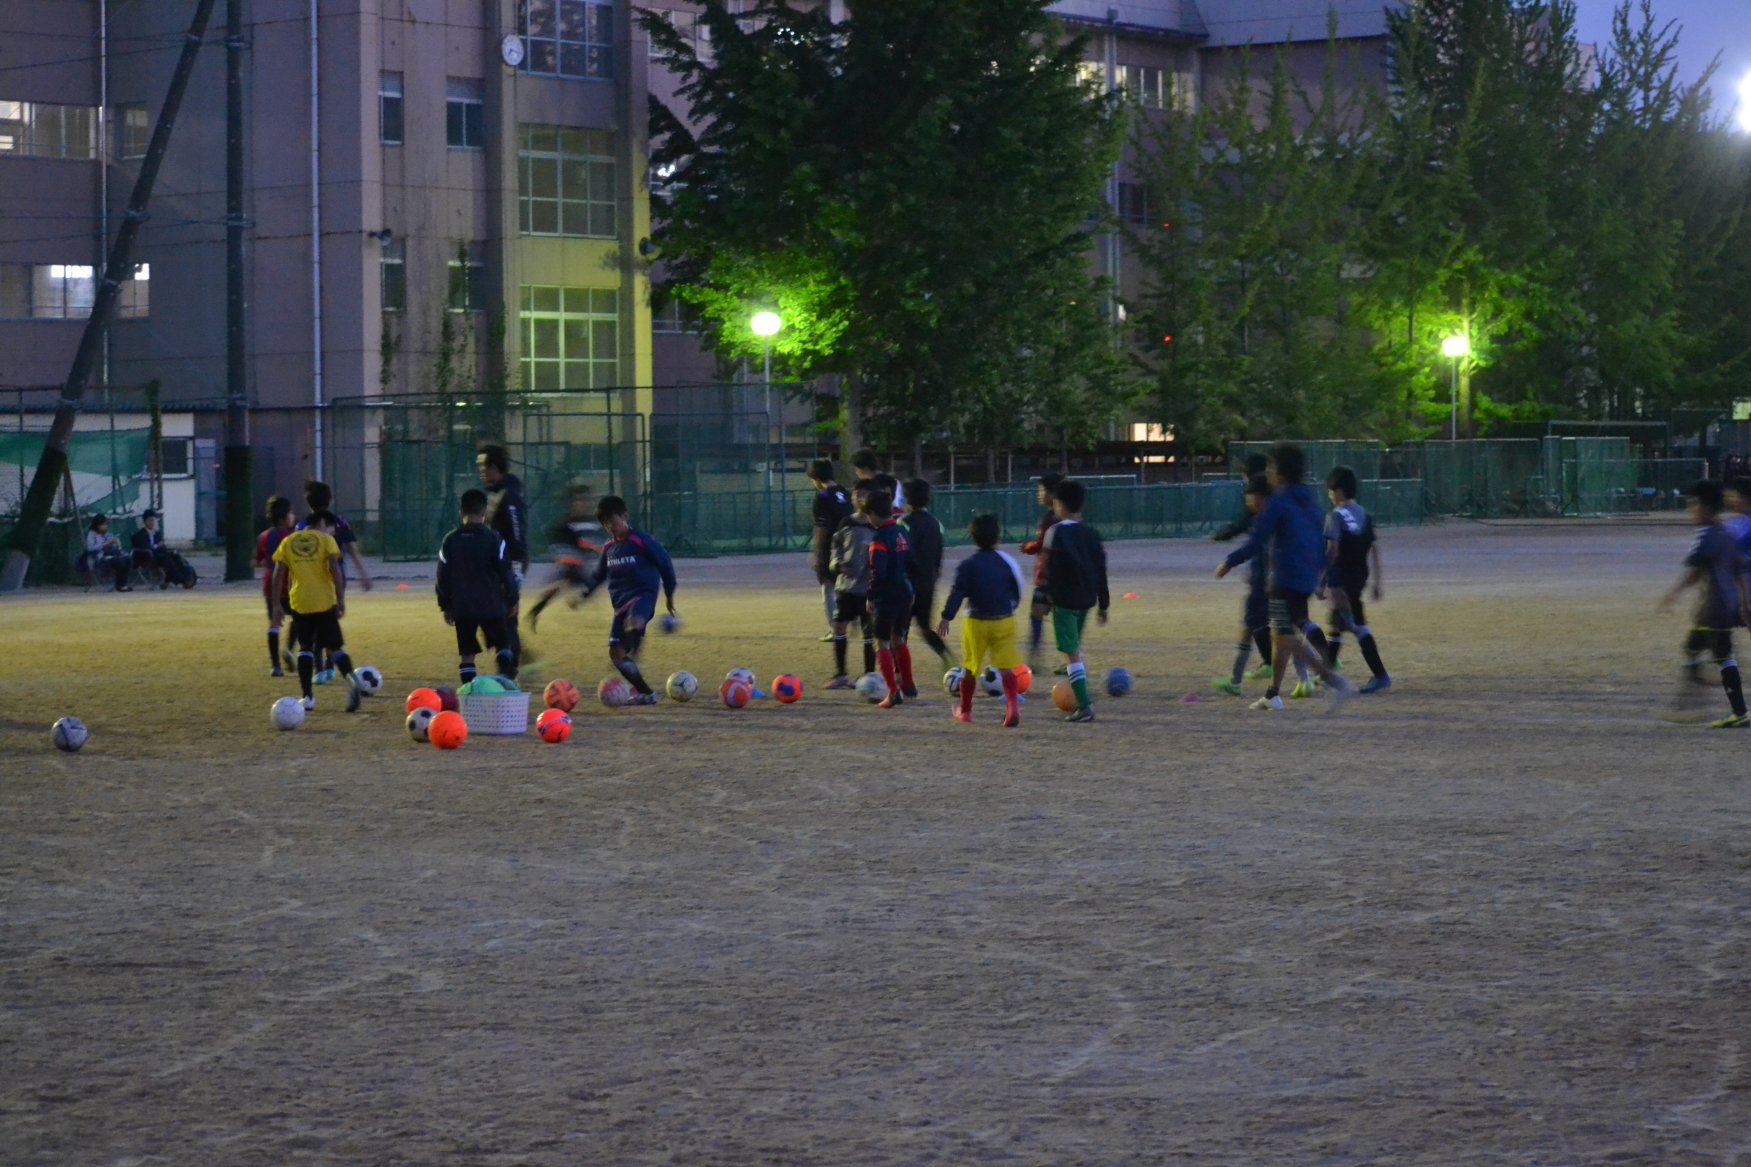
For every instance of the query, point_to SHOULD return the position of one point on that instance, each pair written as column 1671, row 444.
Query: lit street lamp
column 1455, row 347
column 765, row 325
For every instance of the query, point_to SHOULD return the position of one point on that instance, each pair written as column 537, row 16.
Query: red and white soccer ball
column 614, row 692
column 735, row 693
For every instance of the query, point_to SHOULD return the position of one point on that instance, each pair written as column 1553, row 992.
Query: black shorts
column 1288, row 610
column 851, row 607
column 892, row 620
column 317, row 631
column 496, row 633
column 1347, row 611
column 923, row 600
column 1255, row 611
column 1717, row 642
column 1042, row 600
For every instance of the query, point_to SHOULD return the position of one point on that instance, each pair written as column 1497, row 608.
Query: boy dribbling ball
column 990, row 583
column 1076, row 581
column 307, row 572
column 635, row 567
column 1716, row 567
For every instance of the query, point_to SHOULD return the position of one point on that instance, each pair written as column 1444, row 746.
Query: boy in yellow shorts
column 990, row 582
column 308, row 581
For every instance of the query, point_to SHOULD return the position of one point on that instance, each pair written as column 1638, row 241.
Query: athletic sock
column 903, row 664
column 1261, row 638
column 1735, row 691
column 274, row 647
column 1036, row 632
column 869, row 655
column 839, row 649
column 1079, row 683
column 1371, row 654
column 342, row 662
column 1011, row 695
column 968, row 687
column 1334, row 645
column 629, row 669
column 1300, row 669
column 1272, row 691
column 885, row 660
column 466, row 673
column 1316, row 637
column 306, row 671
column 1242, row 652
column 507, row 663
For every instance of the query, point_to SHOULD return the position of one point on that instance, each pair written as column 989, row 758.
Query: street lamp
column 1455, row 347
column 765, row 325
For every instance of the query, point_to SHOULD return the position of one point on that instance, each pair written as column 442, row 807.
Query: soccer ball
column 70, row 732
column 369, row 679
column 288, row 713
column 668, row 622
column 746, row 676
column 787, row 688
column 447, row 702
column 951, row 680
column 1024, row 678
column 1064, row 696
column 1118, row 682
column 424, row 699
column 682, row 686
column 735, row 693
column 553, row 726
column 991, row 682
column 448, row 730
column 614, row 692
column 872, row 687
column 560, row 694
column 419, row 724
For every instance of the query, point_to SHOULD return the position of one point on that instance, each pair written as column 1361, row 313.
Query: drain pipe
column 316, row 402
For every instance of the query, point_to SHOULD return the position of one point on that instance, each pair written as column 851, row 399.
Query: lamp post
column 765, row 325
column 1455, row 347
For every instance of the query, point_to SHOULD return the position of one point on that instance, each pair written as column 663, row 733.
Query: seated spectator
column 149, row 549
column 103, row 553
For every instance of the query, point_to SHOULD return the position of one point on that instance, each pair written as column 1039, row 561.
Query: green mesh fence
column 1322, row 457
column 105, row 468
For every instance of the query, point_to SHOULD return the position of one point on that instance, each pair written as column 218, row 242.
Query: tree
column 910, row 189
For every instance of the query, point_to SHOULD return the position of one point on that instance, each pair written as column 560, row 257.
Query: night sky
column 1707, row 27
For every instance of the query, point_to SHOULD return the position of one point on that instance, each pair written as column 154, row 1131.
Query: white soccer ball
column 991, row 682
column 70, row 734
column 746, row 676
column 369, row 678
column 951, row 680
column 419, row 724
column 288, row 713
column 682, row 686
column 872, row 687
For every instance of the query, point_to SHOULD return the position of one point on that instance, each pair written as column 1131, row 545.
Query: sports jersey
column 1076, row 566
column 1037, row 546
column 507, row 514
column 307, row 556
column 475, row 580
column 832, row 507
column 1352, row 529
column 1722, row 564
column 924, row 533
column 1291, row 531
column 266, row 544
column 634, row 567
column 850, row 558
column 569, row 536
column 890, row 582
column 990, row 583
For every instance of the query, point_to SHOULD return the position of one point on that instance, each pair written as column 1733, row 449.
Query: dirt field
column 1500, row 915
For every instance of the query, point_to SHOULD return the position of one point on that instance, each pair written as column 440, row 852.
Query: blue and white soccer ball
column 746, row 676
column 872, row 688
column 70, row 734
column 369, row 678
column 951, row 680
column 288, row 713
column 682, row 686
column 668, row 622
column 991, row 682
column 1118, row 682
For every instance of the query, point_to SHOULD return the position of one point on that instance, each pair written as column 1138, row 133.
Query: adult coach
column 832, row 507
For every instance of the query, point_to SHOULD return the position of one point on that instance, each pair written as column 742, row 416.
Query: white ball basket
column 501, row 713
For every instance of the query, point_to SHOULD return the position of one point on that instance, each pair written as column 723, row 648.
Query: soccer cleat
column 276, row 671
column 309, row 703
column 1376, row 684
column 1301, row 690
column 1260, row 673
column 891, row 700
column 1010, row 720
column 1267, row 704
column 354, row 694
column 827, row 638
column 1339, row 693
column 965, row 718
column 643, row 699
column 841, row 682
column 1737, row 721
column 322, row 677
column 1062, row 670
column 1224, row 685
column 1086, row 713
column 910, row 692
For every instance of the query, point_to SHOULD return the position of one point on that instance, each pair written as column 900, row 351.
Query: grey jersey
column 1714, row 553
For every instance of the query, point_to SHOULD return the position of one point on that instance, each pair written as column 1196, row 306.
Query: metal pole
column 1453, row 405
column 239, row 457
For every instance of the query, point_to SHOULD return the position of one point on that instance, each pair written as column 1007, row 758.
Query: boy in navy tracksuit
column 477, row 588
column 635, row 567
column 1291, row 529
column 990, row 582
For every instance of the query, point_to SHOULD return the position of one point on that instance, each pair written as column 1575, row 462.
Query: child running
column 1716, row 566
column 849, row 563
column 635, row 567
column 925, row 535
column 573, row 542
column 1350, row 549
column 990, row 583
column 1042, row 602
column 279, row 512
column 1290, row 529
column 1255, row 615
column 307, row 571
column 319, row 496
column 477, row 589
column 1076, row 580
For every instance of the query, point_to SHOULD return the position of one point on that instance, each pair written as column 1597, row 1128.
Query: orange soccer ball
column 554, row 726
column 734, row 693
column 787, row 688
column 560, row 694
column 424, row 699
column 448, row 730
column 1064, row 697
column 1024, row 677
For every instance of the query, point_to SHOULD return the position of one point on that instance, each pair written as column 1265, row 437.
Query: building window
column 1144, row 84
column 1182, row 93
column 465, row 116
column 1133, row 205
column 571, row 338
column 567, row 182
column 41, row 130
column 389, row 109
column 674, row 317
column 135, row 300
column 394, row 272
column 1092, row 73
column 568, row 38
column 50, row 291
column 467, row 286
column 133, row 131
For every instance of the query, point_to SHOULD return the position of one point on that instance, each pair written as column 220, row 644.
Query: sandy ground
column 1499, row 915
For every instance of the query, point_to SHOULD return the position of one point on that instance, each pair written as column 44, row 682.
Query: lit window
column 389, row 109
column 135, row 300
column 465, row 115
column 568, row 38
column 48, row 291
column 571, row 338
column 568, row 182
column 1144, row 85
column 41, row 130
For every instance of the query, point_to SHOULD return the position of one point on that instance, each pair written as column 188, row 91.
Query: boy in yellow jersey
column 990, row 582
column 307, row 572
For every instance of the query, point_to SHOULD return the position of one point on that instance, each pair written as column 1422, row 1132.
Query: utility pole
column 34, row 514
column 239, row 456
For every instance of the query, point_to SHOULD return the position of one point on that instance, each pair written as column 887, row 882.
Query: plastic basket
column 496, row 712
